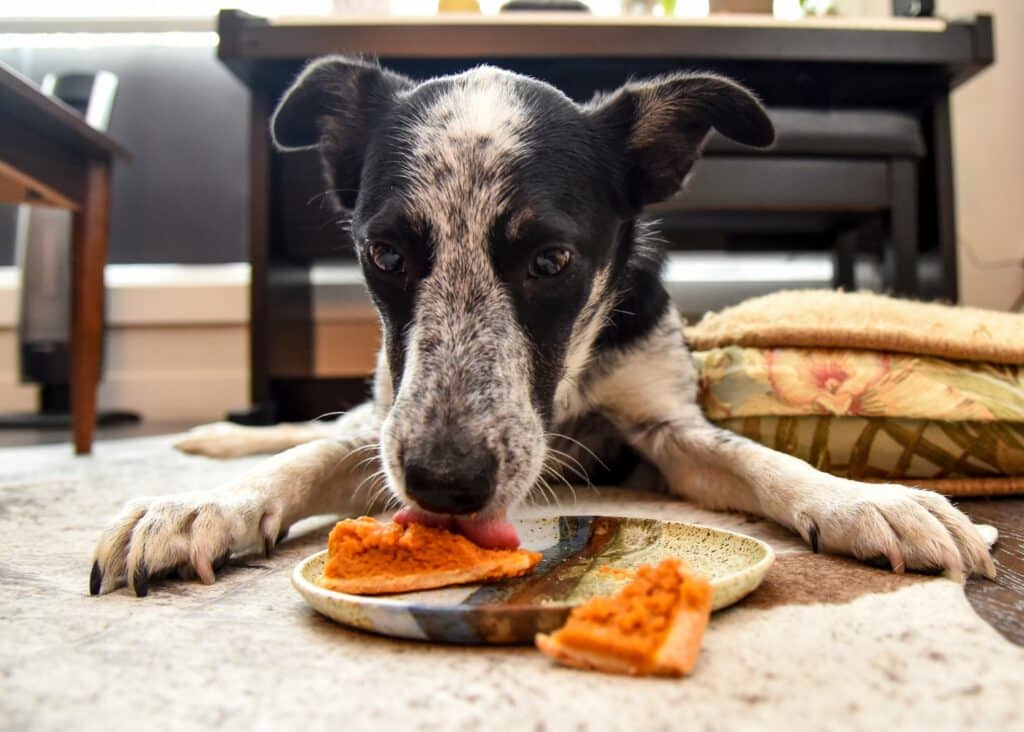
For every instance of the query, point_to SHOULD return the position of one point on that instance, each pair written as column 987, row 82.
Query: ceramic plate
column 583, row 556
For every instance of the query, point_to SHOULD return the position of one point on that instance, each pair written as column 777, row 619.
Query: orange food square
column 654, row 625
column 367, row 557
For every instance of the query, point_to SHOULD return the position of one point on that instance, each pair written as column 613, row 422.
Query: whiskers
column 557, row 464
column 573, row 440
column 375, row 484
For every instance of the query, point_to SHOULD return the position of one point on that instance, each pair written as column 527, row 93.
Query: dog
column 525, row 328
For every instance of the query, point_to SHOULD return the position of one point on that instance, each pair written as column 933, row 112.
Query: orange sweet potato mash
column 368, row 557
column 653, row 626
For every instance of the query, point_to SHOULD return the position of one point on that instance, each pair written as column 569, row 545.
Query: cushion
column 759, row 382
column 893, row 449
column 957, row 427
column 864, row 320
column 872, row 388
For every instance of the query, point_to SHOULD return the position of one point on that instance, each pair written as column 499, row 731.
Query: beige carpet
column 825, row 644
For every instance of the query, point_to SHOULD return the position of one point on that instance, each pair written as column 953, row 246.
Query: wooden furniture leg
column 88, row 257
column 902, row 247
column 844, row 259
column 945, row 197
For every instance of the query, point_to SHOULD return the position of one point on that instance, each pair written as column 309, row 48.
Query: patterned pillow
column 875, row 416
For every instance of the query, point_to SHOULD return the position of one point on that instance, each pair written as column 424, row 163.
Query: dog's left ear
column 658, row 128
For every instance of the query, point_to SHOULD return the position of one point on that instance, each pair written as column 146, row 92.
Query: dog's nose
column 454, row 483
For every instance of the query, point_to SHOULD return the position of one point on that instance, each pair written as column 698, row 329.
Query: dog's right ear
column 334, row 105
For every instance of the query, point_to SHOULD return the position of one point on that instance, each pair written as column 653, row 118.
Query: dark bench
column 850, row 175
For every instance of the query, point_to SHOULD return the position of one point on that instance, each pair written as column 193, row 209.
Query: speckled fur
column 464, row 345
column 467, row 360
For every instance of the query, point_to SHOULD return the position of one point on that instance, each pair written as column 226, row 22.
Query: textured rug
column 825, row 643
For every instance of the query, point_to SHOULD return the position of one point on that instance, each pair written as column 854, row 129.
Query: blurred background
column 179, row 346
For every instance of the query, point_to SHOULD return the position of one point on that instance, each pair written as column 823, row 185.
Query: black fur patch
column 577, row 178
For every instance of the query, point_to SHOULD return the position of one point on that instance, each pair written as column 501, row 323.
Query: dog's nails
column 204, row 570
column 282, row 535
column 812, row 532
column 140, row 581
column 989, row 567
column 270, row 527
column 896, row 561
column 95, row 579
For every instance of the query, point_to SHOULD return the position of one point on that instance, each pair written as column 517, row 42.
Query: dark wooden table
column 906, row 65
column 49, row 156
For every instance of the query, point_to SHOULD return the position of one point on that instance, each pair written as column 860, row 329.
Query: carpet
column 826, row 643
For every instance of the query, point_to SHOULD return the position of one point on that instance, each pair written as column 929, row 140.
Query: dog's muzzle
column 449, row 476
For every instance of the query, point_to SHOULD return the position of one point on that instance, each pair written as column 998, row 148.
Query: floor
column 1001, row 602
column 26, row 437
column 248, row 653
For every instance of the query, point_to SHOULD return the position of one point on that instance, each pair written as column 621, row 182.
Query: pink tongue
column 487, row 533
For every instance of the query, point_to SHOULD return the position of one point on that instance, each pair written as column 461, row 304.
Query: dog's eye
column 550, row 262
column 386, row 258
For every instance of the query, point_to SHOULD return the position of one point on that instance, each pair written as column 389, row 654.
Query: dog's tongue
column 489, row 533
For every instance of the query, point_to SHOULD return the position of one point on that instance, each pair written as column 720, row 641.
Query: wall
column 987, row 114
column 184, row 118
column 176, row 343
column 988, row 156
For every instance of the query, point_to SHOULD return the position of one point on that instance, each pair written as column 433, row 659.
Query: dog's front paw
column 217, row 440
column 911, row 528
column 191, row 535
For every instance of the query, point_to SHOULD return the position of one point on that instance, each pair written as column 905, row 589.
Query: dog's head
column 493, row 218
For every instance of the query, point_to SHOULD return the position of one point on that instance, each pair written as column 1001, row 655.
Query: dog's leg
column 227, row 440
column 650, row 393
column 193, row 533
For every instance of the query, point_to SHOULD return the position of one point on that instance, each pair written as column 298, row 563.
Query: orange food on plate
column 654, row 625
column 368, row 557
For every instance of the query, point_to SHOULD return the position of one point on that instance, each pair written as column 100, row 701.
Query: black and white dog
column 524, row 327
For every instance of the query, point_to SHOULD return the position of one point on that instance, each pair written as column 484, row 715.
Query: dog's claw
column 140, row 581
column 908, row 529
column 95, row 579
column 990, row 568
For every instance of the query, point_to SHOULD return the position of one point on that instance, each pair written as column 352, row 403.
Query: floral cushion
column 872, row 415
column 754, row 382
column 873, row 448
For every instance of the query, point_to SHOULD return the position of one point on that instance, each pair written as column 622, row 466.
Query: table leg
column 945, row 199
column 88, row 257
column 902, row 246
column 261, row 409
column 844, row 259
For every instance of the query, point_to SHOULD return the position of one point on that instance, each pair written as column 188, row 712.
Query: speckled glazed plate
column 583, row 556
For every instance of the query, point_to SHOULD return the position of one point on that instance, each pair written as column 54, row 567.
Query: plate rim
column 304, row 586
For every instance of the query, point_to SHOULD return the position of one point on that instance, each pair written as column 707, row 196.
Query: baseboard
column 195, row 396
